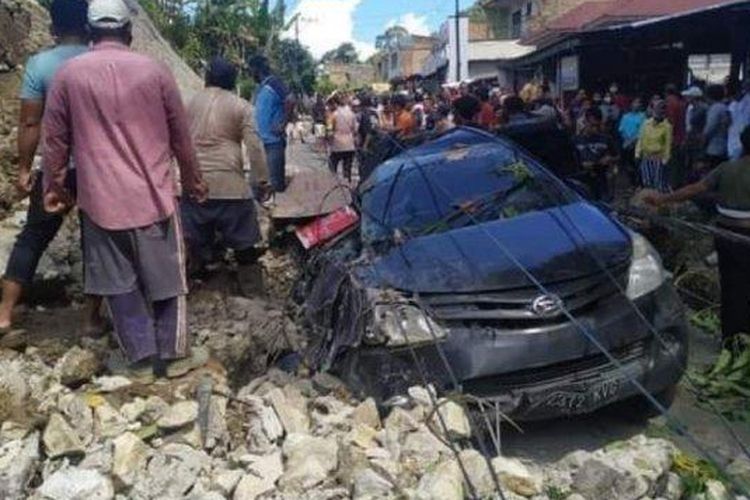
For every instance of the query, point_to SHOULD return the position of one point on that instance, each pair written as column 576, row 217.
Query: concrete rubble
column 280, row 436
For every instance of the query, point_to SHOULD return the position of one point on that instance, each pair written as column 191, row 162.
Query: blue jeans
column 276, row 158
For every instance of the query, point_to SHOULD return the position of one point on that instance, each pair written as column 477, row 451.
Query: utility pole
column 458, row 42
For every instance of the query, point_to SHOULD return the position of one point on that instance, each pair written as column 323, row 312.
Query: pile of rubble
column 70, row 433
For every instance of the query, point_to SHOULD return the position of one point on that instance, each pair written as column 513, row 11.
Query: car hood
column 556, row 244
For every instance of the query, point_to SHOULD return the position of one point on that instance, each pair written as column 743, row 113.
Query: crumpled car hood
column 470, row 260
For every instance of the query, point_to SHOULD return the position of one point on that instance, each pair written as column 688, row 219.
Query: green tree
column 234, row 29
column 294, row 64
column 345, row 53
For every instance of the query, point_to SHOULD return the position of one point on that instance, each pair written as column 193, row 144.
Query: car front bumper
column 542, row 372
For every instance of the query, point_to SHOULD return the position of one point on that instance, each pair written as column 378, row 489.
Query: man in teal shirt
column 69, row 30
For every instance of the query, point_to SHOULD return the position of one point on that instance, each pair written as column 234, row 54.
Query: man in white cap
column 695, row 121
column 129, row 122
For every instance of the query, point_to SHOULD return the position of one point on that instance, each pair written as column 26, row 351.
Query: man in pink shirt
column 119, row 116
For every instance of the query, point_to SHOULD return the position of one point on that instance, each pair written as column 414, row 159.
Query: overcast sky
column 325, row 24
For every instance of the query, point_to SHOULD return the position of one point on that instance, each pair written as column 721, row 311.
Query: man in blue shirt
column 630, row 129
column 69, row 30
column 271, row 116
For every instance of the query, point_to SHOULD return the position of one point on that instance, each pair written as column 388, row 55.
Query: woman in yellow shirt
column 654, row 148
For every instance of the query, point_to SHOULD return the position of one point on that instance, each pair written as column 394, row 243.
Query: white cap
column 108, row 14
column 692, row 92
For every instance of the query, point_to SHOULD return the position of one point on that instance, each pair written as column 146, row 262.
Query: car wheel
column 640, row 408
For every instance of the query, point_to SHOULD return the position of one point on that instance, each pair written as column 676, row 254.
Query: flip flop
column 141, row 373
column 179, row 367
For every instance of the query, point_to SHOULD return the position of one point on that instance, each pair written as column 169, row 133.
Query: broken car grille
column 514, row 309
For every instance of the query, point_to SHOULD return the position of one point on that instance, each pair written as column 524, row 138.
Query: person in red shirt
column 676, row 109
column 129, row 124
column 619, row 99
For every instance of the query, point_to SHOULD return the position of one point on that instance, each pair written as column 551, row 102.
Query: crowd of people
column 661, row 142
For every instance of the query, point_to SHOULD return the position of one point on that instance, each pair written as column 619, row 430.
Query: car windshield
column 453, row 187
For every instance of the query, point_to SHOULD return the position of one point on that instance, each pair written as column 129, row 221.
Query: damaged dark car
column 469, row 261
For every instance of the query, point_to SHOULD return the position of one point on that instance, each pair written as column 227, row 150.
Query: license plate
column 572, row 400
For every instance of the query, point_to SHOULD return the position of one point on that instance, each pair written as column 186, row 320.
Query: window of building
column 529, row 9
column 516, row 23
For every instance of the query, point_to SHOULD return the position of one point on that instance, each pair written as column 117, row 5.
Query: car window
column 455, row 187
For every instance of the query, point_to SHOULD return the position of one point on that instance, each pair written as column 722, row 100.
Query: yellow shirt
column 655, row 140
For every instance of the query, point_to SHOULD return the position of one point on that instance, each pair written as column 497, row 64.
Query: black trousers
column 38, row 232
column 345, row 157
column 734, row 275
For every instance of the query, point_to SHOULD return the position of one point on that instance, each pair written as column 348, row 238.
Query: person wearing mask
column 630, row 130
column 739, row 110
column 654, row 149
column 343, row 134
column 598, row 153
column 730, row 181
column 715, row 132
column 132, row 236
column 273, row 107
column 220, row 123
column 40, row 228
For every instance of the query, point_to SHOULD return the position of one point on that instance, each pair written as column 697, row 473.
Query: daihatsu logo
column 546, row 306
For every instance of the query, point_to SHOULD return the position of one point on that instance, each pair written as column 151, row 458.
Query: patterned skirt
column 654, row 175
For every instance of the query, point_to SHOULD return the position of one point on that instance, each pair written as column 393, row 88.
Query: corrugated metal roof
column 591, row 15
column 491, row 50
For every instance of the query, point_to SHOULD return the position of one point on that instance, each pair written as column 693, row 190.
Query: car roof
column 453, row 140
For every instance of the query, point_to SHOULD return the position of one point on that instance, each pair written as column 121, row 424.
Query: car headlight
column 646, row 270
column 403, row 323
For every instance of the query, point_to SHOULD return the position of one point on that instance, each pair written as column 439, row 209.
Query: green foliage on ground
column 695, row 473
column 707, row 320
column 726, row 384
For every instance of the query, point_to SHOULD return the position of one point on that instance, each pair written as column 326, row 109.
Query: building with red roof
column 640, row 44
